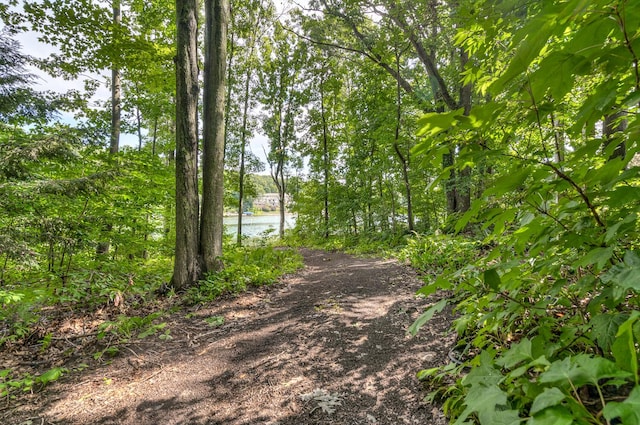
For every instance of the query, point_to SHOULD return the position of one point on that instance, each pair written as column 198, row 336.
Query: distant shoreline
column 261, row 214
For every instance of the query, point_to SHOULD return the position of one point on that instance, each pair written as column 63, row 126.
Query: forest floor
column 327, row 345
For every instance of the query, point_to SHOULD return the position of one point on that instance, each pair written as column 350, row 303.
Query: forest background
column 492, row 144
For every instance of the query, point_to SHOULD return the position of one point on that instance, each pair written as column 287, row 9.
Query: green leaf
column 597, row 256
column 426, row 316
column 482, row 399
column 622, row 196
column 51, row 375
column 619, row 227
column 492, row 279
column 517, row 353
column 433, row 123
column 508, row 182
column 624, row 347
column 214, row 321
column 628, row 411
column 554, row 415
column 604, row 328
column 485, row 373
column 499, row 417
column 426, row 373
column 549, row 397
column 580, row 370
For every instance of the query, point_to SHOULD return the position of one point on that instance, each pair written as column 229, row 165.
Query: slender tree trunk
column 326, row 164
column 116, row 88
column 211, row 226
column 404, row 160
column 139, row 128
column 155, row 136
column 187, row 266
column 114, row 143
column 243, row 148
column 394, row 221
column 463, row 189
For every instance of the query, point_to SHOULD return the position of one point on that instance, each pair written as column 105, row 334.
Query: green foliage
column 244, row 266
column 9, row 385
column 214, row 321
column 547, row 319
column 433, row 254
column 125, row 327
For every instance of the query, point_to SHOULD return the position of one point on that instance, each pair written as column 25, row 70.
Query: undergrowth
column 244, row 267
column 123, row 299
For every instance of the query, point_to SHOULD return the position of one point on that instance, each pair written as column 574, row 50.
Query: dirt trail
column 326, row 346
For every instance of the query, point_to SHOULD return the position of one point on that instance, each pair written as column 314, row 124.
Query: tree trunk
column 325, row 163
column 187, row 266
column 404, row 160
column 211, row 227
column 243, row 148
column 116, row 87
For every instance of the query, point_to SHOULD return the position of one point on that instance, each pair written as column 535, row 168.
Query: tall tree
column 187, row 267
column 252, row 27
column 281, row 96
column 116, row 84
column 211, row 225
column 427, row 26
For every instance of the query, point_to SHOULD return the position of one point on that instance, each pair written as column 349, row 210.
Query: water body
column 256, row 225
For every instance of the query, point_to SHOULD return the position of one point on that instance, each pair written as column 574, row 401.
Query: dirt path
column 326, row 346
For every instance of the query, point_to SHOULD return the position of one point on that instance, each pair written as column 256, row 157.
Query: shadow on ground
column 326, row 346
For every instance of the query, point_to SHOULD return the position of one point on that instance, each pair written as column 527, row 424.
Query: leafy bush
column 244, row 266
column 434, row 254
column 547, row 321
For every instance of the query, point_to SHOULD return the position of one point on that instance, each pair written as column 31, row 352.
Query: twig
column 68, row 337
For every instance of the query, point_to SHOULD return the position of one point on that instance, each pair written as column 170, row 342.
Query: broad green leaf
column 631, row 259
column 628, row 411
column 549, row 397
column 51, row 375
column 426, row 316
column 482, row 399
column 623, row 195
column 557, row 73
column 624, row 347
column 492, row 279
column 580, row 370
column 602, row 99
column 627, row 274
column 605, row 174
column 517, row 353
column 554, row 415
column 604, row 328
column 433, row 123
column 508, row 182
column 485, row 373
column 620, row 226
column 441, row 282
column 597, row 256
column 499, row 417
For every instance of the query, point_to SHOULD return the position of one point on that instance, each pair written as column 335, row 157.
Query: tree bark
column 116, row 87
column 404, row 160
column 187, row 266
column 243, row 149
column 211, row 226
column 325, row 163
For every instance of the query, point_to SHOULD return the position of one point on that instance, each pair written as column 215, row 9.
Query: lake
column 254, row 225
